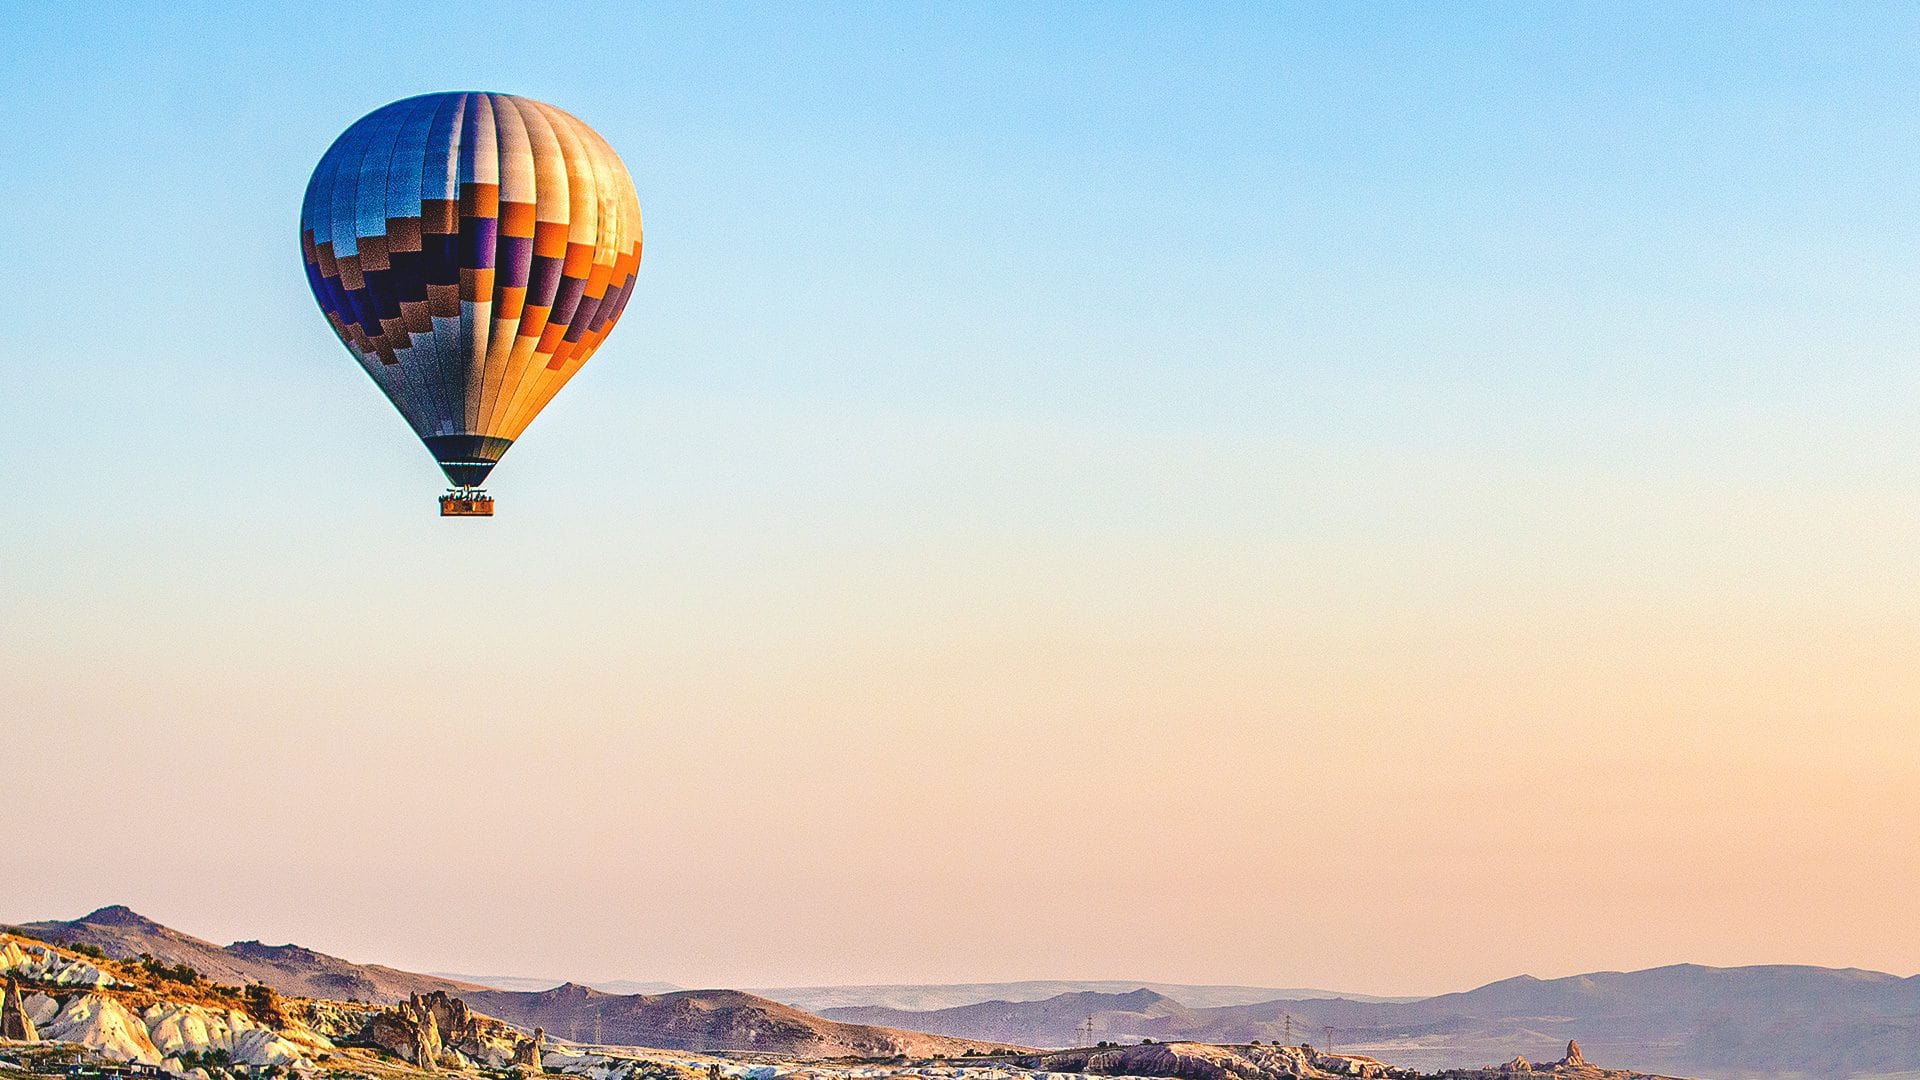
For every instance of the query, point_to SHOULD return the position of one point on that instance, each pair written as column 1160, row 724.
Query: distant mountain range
column 1052, row 1022
column 1774, row 1021
column 927, row 996
column 948, row 995
column 610, row 986
column 1747, row 1022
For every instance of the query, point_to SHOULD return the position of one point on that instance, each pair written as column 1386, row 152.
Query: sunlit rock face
column 37, row 963
column 437, row 1030
column 165, row 1031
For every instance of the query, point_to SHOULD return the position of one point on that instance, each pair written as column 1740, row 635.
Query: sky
column 1383, row 497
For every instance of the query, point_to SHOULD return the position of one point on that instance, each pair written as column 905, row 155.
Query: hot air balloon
column 471, row 250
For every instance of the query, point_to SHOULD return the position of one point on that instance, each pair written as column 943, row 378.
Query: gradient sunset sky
column 1384, row 497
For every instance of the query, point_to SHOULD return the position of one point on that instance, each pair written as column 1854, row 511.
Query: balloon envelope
column 472, row 250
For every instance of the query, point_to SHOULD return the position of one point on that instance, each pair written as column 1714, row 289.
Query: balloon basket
column 466, row 502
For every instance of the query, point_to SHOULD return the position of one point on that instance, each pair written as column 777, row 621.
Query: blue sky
column 1260, row 217
column 1438, row 389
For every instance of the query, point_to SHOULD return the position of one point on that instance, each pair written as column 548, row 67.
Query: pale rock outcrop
column 427, row 1046
column 41, row 964
column 104, row 1025
column 176, row 1028
column 1573, row 1057
column 261, row 1047
column 166, row 1030
column 15, row 1023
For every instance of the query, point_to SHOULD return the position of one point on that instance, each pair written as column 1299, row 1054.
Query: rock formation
column 526, row 1053
column 1573, row 1055
column 1517, row 1065
column 101, row 1023
column 436, row 1029
column 14, row 1021
column 410, row 1031
column 427, row 1046
column 177, row 1028
column 44, row 964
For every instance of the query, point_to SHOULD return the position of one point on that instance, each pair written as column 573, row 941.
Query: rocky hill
column 157, row 1015
column 123, row 934
column 705, row 1020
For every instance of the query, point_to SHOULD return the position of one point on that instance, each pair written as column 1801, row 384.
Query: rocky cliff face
column 407, row 1033
column 528, row 1053
column 14, row 1022
column 437, row 1030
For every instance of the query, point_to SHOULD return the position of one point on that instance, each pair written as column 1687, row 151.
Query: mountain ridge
column 707, row 1020
column 124, row 934
column 1055, row 1021
column 946, row 995
column 926, row 996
